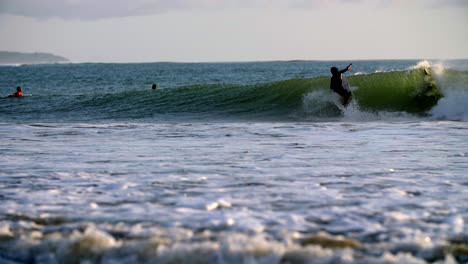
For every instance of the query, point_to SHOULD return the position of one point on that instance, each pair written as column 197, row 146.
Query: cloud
column 99, row 9
column 82, row 9
column 455, row 3
column 96, row 9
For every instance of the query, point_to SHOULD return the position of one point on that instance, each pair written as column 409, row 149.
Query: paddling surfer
column 19, row 92
column 336, row 83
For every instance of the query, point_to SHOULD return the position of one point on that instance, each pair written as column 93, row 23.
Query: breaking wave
column 420, row 90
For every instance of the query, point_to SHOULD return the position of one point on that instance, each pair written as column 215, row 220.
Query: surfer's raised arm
column 347, row 68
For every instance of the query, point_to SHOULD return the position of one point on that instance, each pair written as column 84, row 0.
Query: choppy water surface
column 234, row 192
column 234, row 163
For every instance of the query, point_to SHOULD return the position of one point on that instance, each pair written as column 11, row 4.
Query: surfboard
column 339, row 104
column 24, row 95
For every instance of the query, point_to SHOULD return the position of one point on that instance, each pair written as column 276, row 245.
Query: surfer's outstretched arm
column 347, row 68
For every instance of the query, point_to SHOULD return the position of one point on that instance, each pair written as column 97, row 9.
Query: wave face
column 418, row 90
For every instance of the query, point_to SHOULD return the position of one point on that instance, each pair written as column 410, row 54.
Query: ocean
column 252, row 162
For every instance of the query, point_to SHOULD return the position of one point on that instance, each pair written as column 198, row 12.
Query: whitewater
column 249, row 162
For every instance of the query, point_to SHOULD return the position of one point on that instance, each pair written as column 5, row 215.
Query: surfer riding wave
column 336, row 84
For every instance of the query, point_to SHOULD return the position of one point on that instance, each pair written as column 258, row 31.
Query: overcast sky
column 236, row 30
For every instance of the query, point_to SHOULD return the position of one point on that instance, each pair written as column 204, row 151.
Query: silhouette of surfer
column 336, row 84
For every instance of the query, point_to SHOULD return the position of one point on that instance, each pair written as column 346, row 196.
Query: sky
column 236, row 30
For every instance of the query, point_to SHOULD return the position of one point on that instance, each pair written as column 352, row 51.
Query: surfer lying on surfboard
column 336, row 84
column 19, row 92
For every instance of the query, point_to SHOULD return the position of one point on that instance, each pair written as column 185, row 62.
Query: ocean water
column 252, row 162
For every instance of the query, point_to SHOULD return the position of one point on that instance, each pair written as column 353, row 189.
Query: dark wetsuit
column 336, row 84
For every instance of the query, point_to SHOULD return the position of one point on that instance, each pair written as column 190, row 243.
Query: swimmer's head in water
column 334, row 70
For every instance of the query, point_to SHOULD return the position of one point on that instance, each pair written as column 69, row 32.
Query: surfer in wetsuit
column 19, row 92
column 336, row 83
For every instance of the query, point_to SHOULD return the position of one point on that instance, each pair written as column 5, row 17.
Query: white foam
column 399, row 258
column 422, row 65
column 436, row 68
column 353, row 113
column 5, row 230
column 453, row 106
column 270, row 180
column 218, row 204
column 90, row 242
column 398, row 216
column 456, row 224
column 203, row 204
column 317, row 101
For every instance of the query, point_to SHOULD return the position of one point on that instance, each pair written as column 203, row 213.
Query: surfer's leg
column 346, row 101
column 342, row 92
column 347, row 98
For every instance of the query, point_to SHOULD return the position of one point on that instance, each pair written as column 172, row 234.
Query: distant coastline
column 9, row 58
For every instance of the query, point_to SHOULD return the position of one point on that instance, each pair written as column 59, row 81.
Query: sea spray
column 454, row 86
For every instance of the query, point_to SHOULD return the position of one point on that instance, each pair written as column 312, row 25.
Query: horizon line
column 255, row 61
